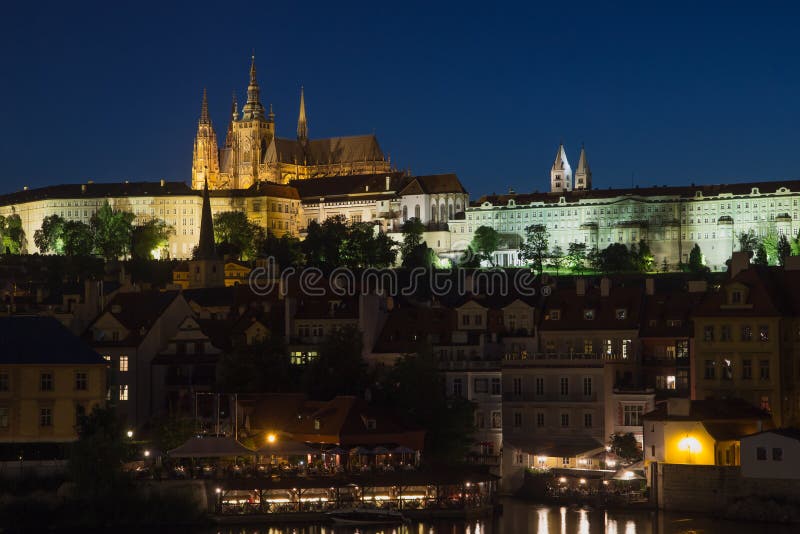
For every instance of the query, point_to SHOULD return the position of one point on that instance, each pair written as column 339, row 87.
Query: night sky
column 659, row 95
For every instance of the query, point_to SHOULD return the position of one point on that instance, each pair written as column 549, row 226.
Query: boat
column 365, row 516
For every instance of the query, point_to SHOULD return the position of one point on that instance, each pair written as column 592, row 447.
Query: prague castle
column 254, row 153
column 285, row 184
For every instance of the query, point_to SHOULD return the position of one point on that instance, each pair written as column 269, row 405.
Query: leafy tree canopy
column 485, row 242
column 535, row 248
column 48, row 238
column 625, row 446
column 151, row 239
column 13, row 236
column 112, row 230
column 236, row 236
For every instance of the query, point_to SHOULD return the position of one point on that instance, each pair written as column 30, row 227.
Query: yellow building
column 703, row 432
column 48, row 379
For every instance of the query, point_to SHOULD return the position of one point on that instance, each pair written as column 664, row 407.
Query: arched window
column 405, row 213
column 433, row 213
column 416, row 211
column 450, row 210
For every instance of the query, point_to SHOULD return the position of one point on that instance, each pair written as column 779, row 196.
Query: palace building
column 254, row 153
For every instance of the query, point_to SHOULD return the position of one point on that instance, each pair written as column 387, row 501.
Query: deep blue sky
column 670, row 94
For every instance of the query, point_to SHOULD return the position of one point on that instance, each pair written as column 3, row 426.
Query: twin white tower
column 561, row 173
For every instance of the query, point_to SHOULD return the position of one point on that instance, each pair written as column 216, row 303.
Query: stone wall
column 717, row 489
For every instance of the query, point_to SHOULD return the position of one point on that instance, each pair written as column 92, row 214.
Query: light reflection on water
column 526, row 518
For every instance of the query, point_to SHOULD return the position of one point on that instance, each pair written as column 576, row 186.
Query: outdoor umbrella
column 211, row 447
column 380, row 450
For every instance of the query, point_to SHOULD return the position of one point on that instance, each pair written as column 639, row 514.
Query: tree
column 576, row 257
column 95, row 461
column 614, row 258
column 485, row 242
column 48, row 238
column 151, row 239
column 469, row 259
column 76, row 239
column 112, row 230
column 556, row 258
column 171, row 432
column 364, row 245
column 339, row 369
column 13, row 235
column 664, row 265
column 258, row 368
column 235, row 235
column 414, row 251
column 748, row 242
column 761, row 255
column 285, row 250
column 413, row 390
column 696, row 264
column 642, row 257
column 784, row 249
column 535, row 247
column 625, row 446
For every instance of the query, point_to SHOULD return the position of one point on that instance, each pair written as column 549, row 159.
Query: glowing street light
column 146, row 453
column 271, row 437
column 129, row 433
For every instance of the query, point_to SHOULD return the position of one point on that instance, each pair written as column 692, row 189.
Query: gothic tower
column 302, row 124
column 561, row 172
column 205, row 159
column 583, row 174
column 206, row 269
column 253, row 133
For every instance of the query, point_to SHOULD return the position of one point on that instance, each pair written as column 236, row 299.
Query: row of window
column 47, row 381
column 726, row 333
column 563, row 382
column 588, row 421
column 727, row 369
column 480, row 385
column 480, row 420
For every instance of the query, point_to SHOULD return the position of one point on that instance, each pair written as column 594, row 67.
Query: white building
column 771, row 454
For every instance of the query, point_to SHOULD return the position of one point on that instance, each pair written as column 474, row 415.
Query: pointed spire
column 561, row 158
column 271, row 114
column 583, row 175
column 302, row 124
column 253, row 108
column 204, row 109
column 205, row 247
column 561, row 172
column 234, row 108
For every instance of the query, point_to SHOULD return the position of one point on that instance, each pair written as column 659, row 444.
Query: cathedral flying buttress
column 253, row 153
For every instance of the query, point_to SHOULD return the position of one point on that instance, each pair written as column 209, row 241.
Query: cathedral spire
column 204, row 109
column 205, row 247
column 234, row 108
column 253, row 109
column 302, row 124
column 583, row 174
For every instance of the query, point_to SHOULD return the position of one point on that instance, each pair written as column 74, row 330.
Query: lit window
column 123, row 392
column 554, row 315
column 45, row 417
column 123, row 363
column 588, row 315
column 632, row 415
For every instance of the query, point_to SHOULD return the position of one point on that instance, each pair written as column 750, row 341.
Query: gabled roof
column 791, row 433
column 432, row 184
column 772, row 292
column 572, row 306
column 333, row 150
column 366, row 185
column 42, row 340
column 137, row 311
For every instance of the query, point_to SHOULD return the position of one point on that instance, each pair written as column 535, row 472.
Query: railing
column 456, row 365
column 571, row 356
column 549, row 397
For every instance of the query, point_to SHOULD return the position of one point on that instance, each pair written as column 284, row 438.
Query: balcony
column 469, row 365
column 549, row 397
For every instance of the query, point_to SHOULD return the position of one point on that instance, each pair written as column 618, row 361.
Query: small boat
column 365, row 516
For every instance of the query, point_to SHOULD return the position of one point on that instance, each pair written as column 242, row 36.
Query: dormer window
column 554, row 315
column 371, row 424
column 588, row 314
column 622, row 314
column 316, row 423
column 736, row 297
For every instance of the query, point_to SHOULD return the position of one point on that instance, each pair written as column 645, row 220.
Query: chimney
column 580, row 286
column 740, row 261
column 605, row 286
column 387, row 183
column 650, row 286
column 83, row 188
column 162, row 182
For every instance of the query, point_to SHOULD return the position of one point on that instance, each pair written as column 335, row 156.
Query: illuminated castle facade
column 253, row 152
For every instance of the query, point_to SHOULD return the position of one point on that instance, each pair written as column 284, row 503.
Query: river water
column 520, row 517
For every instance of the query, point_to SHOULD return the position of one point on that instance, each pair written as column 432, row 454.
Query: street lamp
column 271, row 437
column 129, row 434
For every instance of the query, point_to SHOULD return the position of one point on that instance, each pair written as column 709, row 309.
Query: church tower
column 205, row 159
column 561, row 173
column 253, row 133
column 302, row 124
column 583, row 174
column 205, row 268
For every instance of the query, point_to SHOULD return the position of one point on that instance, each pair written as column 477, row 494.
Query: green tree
column 614, row 258
column 642, row 257
column 96, row 458
column 556, row 258
column 761, row 255
column 414, row 251
column 172, row 432
column 534, row 249
column 770, row 244
column 413, row 390
column 748, row 242
column 576, row 257
column 323, row 243
column 112, row 231
column 795, row 243
column 258, row 368
column 285, row 250
column 784, row 249
column 696, row 264
column 151, row 238
column 235, row 235
column 469, row 259
column 48, row 238
column 76, row 239
column 364, row 245
column 625, row 446
column 340, row 368
column 13, row 235
column 485, row 242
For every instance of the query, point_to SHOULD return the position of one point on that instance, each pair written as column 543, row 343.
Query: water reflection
column 525, row 518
